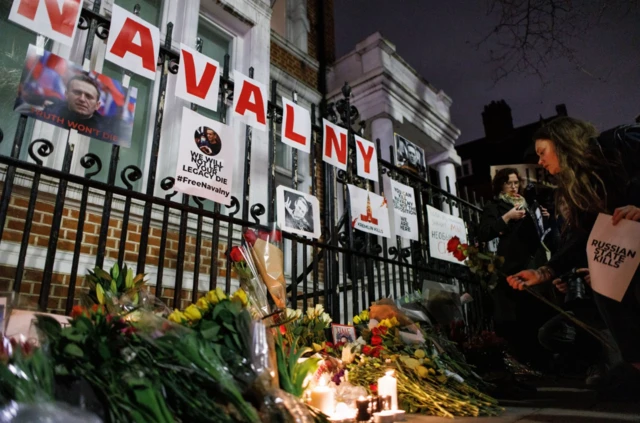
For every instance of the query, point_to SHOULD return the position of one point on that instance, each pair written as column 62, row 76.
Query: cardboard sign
column 198, row 78
column 296, row 126
column 54, row 19
column 334, row 144
column 59, row 92
column 369, row 212
column 367, row 159
column 443, row 227
column 404, row 213
column 250, row 101
column 205, row 161
column 613, row 255
column 133, row 43
column 298, row 212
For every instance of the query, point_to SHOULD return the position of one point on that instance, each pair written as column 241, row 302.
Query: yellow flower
column 192, row 313
column 318, row 347
column 364, row 315
column 356, row 320
column 411, row 363
column 203, row 304
column 177, row 316
column 240, row 297
column 419, row 354
column 422, row 371
column 394, row 321
column 215, row 296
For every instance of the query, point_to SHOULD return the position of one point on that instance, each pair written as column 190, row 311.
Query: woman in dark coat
column 517, row 315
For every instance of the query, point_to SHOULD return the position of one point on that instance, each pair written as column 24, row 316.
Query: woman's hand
column 560, row 285
column 544, row 212
column 513, row 214
column 585, row 274
column 626, row 212
column 524, row 279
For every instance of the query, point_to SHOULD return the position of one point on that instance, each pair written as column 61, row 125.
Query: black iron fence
column 180, row 238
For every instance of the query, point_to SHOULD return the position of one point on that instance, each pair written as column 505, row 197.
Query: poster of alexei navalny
column 61, row 93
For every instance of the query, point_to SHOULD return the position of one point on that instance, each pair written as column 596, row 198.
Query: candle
column 363, row 415
column 388, row 385
column 322, row 399
column 384, row 417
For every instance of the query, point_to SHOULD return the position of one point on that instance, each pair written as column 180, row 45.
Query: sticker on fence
column 442, row 227
column 298, row 213
column 369, row 212
column 613, row 255
column 205, row 161
column 61, row 93
column 53, row 19
column 404, row 213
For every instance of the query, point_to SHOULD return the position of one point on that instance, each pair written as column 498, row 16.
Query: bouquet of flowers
column 265, row 247
column 250, row 281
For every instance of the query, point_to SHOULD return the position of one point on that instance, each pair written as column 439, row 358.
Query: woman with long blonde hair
column 594, row 174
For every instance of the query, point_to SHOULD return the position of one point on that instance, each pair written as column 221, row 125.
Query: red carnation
column 373, row 387
column 376, row 340
column 263, row 235
column 276, row 236
column 376, row 352
column 452, row 245
column 366, row 350
column 236, row 255
column 250, row 236
column 459, row 254
column 376, row 331
column 383, row 330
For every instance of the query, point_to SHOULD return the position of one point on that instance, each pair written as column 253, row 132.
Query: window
column 466, row 169
column 150, row 11
column 14, row 44
column 215, row 44
column 289, row 20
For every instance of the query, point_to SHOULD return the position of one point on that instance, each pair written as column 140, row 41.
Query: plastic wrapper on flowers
column 50, row 412
column 250, row 281
column 266, row 248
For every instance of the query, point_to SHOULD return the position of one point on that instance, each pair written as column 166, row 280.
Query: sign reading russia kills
column 205, row 161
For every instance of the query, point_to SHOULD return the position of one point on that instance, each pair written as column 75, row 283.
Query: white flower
column 315, row 312
column 292, row 314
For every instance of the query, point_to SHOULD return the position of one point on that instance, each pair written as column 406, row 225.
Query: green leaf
column 72, row 334
column 129, row 280
column 115, row 271
column 483, row 256
column 210, row 333
column 83, row 324
column 73, row 350
column 103, row 350
column 101, row 274
column 114, row 287
column 100, row 293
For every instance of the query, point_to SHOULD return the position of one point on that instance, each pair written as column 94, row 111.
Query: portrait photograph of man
column 298, row 212
column 408, row 155
column 208, row 141
column 61, row 93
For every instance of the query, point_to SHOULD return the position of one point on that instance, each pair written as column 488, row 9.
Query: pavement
column 554, row 404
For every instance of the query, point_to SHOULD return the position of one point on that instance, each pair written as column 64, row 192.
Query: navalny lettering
column 610, row 254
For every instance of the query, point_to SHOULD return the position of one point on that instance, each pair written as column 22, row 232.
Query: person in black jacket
column 517, row 316
column 595, row 174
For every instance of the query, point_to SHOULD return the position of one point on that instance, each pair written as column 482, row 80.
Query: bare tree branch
column 530, row 34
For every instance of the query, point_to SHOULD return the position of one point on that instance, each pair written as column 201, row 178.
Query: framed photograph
column 343, row 333
column 57, row 91
column 408, row 155
column 5, row 312
column 298, row 213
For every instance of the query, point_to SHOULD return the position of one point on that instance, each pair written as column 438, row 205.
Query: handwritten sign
column 443, row 227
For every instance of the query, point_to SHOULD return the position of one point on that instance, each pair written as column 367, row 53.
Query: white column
column 382, row 128
column 446, row 163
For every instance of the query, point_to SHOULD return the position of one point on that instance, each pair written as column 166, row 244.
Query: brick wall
column 291, row 64
column 39, row 237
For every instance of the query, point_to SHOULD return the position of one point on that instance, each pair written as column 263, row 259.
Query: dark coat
column 519, row 239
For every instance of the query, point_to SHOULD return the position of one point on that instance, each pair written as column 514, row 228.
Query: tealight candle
column 362, row 404
column 384, row 417
column 322, row 399
column 388, row 385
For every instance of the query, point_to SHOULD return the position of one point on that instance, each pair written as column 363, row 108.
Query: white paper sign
column 404, row 213
column 613, row 255
column 298, row 212
column 296, row 126
column 367, row 159
column 133, row 43
column 56, row 19
column 198, row 78
column 369, row 212
column 205, row 161
column 443, row 227
column 250, row 101
column 334, row 144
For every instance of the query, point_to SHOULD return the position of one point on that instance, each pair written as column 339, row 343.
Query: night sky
column 438, row 38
